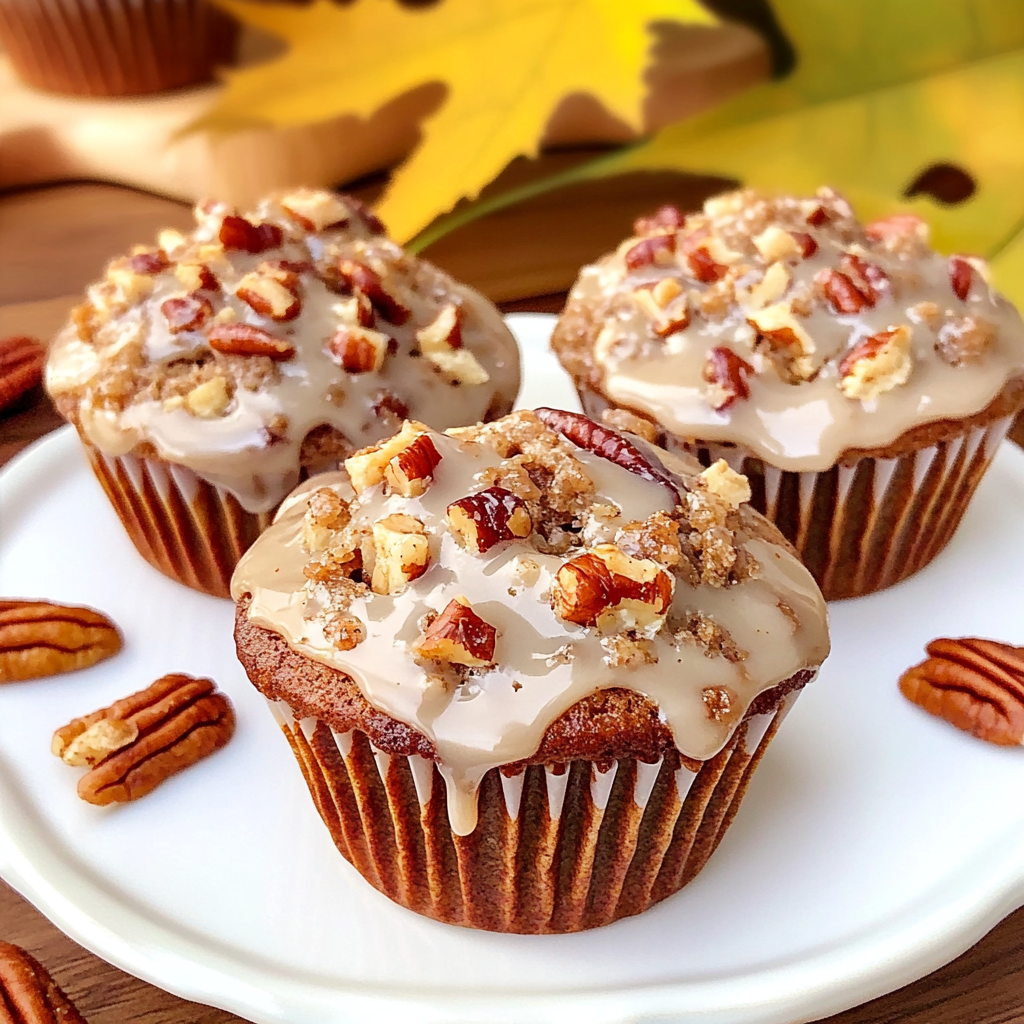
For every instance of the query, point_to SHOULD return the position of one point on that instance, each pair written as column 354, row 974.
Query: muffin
column 527, row 668
column 116, row 47
column 861, row 381
column 208, row 374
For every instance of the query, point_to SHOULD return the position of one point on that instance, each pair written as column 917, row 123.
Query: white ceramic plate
column 875, row 842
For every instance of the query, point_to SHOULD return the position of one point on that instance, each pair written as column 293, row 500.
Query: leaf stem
column 481, row 208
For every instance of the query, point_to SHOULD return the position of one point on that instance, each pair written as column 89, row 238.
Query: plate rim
column 919, row 939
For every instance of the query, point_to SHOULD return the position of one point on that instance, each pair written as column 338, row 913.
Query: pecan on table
column 140, row 741
column 21, row 367
column 28, row 995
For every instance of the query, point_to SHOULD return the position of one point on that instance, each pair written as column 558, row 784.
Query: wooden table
column 53, row 241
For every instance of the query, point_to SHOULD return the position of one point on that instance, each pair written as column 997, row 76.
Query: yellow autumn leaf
column 506, row 64
column 882, row 90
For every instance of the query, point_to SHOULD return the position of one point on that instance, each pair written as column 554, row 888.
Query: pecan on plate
column 140, row 741
column 21, row 367
column 28, row 995
column 40, row 638
column 976, row 685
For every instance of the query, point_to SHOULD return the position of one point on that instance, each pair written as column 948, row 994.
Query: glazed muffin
column 116, row 47
column 526, row 668
column 861, row 381
column 208, row 374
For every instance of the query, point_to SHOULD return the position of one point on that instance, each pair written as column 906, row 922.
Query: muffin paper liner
column 187, row 528
column 864, row 526
column 557, row 848
column 115, row 47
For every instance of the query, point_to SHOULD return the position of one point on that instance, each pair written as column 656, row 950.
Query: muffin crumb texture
column 228, row 349
column 784, row 325
column 478, row 584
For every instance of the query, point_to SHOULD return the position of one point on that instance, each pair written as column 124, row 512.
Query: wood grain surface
column 53, row 241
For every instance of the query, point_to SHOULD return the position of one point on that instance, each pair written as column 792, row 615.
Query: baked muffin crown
column 478, row 584
column 287, row 336
column 784, row 325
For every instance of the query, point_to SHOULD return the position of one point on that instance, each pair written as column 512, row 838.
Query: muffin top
column 478, row 583
column 785, row 326
column 285, row 338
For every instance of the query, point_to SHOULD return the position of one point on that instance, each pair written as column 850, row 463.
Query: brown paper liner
column 865, row 525
column 187, row 528
column 556, row 849
column 115, row 47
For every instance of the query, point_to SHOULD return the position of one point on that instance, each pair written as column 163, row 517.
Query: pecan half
column 606, row 443
column 976, row 685
column 40, row 638
column 21, row 367
column 28, row 995
column 246, row 340
column 176, row 722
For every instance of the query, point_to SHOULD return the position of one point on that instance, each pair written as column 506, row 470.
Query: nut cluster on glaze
column 775, row 302
column 541, row 498
column 297, row 322
column 478, row 583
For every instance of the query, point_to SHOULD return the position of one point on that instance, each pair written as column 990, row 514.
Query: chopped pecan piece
column 841, row 292
column 441, row 344
column 239, row 233
column 727, row 374
column 655, row 249
column 607, row 588
column 186, row 313
column 152, row 262
column 21, row 367
column 197, row 277
column 725, row 483
column 39, row 638
column 176, row 722
column 808, row 246
column 367, row 466
column 272, row 291
column 351, row 276
column 246, row 340
column 358, row 349
column 28, row 995
column 976, row 685
column 402, row 553
column 315, row 209
column 876, row 364
column 960, row 276
column 868, row 278
column 410, row 471
column 703, row 265
column 665, row 219
column 458, row 636
column 663, row 323
column 489, row 517
column 963, row 339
